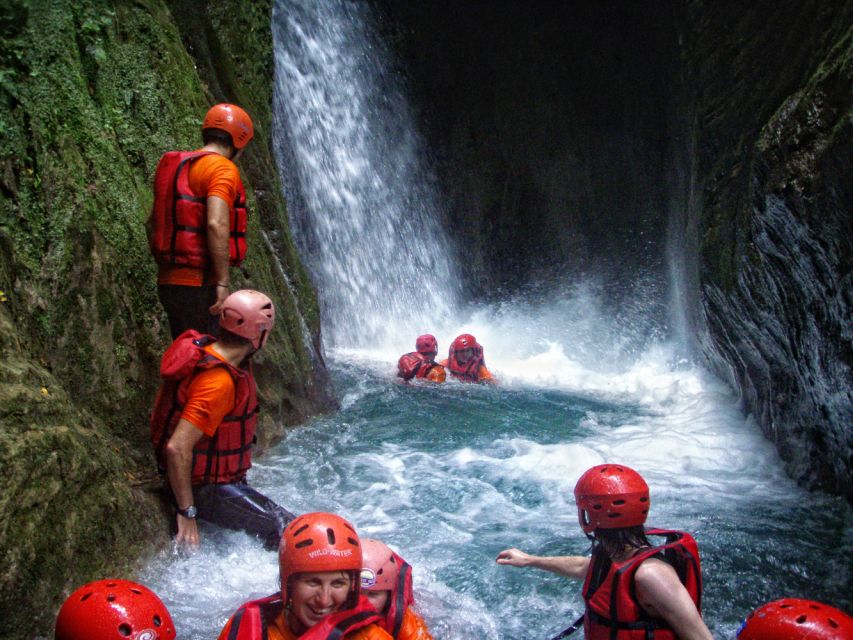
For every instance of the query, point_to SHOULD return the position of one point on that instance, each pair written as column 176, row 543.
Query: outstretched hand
column 513, row 557
column 187, row 532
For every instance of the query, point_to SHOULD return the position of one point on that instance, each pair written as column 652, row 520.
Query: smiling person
column 320, row 562
column 633, row 590
column 386, row 580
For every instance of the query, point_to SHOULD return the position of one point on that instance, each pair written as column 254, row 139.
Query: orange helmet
column 793, row 619
column 232, row 120
column 114, row 610
column 611, row 496
column 317, row 542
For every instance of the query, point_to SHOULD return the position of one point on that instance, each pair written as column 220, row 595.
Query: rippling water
column 450, row 475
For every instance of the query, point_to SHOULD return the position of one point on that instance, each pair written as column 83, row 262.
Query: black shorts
column 189, row 308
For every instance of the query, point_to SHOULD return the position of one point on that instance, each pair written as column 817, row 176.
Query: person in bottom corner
column 632, row 589
column 796, row 619
column 114, row 609
column 421, row 363
column 204, row 419
column 386, row 580
column 320, row 559
column 465, row 361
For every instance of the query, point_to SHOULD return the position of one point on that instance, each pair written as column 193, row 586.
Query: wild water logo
column 146, row 634
column 368, row 578
column 338, row 553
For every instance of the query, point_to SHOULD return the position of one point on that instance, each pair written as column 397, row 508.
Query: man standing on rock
column 197, row 225
column 203, row 424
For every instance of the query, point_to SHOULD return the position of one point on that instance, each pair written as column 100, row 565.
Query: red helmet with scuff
column 232, row 120
column 380, row 568
column 318, row 542
column 250, row 314
column 464, row 341
column 114, row 610
column 796, row 619
column 611, row 496
column 426, row 344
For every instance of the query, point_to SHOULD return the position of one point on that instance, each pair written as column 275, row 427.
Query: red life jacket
column 470, row 371
column 402, row 597
column 414, row 365
column 253, row 618
column 179, row 223
column 612, row 610
column 228, row 454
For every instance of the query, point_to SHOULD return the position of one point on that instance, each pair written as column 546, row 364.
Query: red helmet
column 426, row 344
column 611, row 496
column 249, row 314
column 231, row 119
column 114, row 610
column 380, row 568
column 317, row 542
column 795, row 619
column 465, row 341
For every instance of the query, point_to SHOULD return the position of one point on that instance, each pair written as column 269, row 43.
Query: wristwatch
column 190, row 512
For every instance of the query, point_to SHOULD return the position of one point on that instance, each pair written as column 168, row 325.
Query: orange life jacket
column 179, row 222
column 470, row 371
column 252, row 619
column 227, row 455
column 612, row 610
column 414, row 365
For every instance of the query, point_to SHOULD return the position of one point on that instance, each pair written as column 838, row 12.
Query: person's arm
column 218, row 234
column 661, row 594
column 179, row 461
column 568, row 566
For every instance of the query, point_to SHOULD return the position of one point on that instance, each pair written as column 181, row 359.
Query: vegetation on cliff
column 93, row 92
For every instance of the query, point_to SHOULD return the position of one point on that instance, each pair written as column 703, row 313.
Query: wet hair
column 218, row 136
column 613, row 542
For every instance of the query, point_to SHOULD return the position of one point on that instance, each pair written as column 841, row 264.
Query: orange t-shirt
column 210, row 397
column 279, row 630
column 213, row 175
column 437, row 374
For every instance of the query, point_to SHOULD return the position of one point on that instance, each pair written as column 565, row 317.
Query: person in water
column 111, row 610
column 203, row 423
column 386, row 580
column 796, row 619
column 466, row 362
column 197, row 226
column 320, row 560
column 632, row 589
column 421, row 363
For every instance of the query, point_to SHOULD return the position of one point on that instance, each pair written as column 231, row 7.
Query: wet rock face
column 774, row 200
column 569, row 135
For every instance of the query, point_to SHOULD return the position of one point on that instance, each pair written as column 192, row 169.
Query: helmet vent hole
column 86, row 597
column 125, row 630
column 618, row 503
column 597, row 507
column 785, row 606
column 644, row 499
column 300, row 530
column 614, row 515
column 801, row 620
column 157, row 621
column 330, row 534
column 353, row 541
column 304, row 543
column 136, row 591
column 111, row 598
column 814, row 606
column 111, row 584
column 832, row 623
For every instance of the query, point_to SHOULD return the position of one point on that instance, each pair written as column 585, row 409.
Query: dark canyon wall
column 93, row 91
column 602, row 138
column 770, row 89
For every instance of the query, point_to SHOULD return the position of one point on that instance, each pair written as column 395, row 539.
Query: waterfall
column 362, row 198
